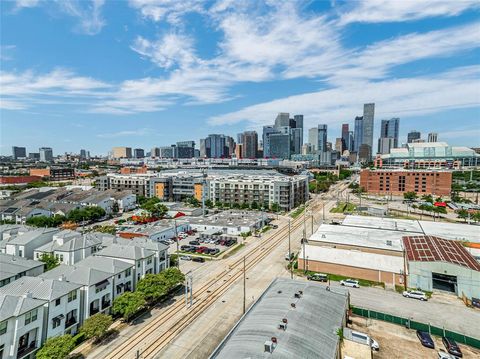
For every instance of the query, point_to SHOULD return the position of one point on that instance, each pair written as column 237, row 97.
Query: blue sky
column 144, row 73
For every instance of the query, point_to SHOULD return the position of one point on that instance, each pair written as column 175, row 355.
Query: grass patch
column 297, row 212
column 265, row 229
column 343, row 207
column 234, row 250
column 184, row 253
column 401, row 288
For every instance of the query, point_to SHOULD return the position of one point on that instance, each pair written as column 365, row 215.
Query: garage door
column 444, row 282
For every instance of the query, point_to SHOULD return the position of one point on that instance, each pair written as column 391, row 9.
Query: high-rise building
column 34, row 156
column 345, row 137
column 317, row 137
column 267, row 131
column 412, row 136
column 385, row 144
column 239, row 150
column 203, row 148
column 155, row 152
column 282, row 120
column 350, row 141
column 280, row 144
column 358, row 134
column 339, row 145
column 19, row 152
column 368, row 123
column 219, row 146
column 122, row 152
column 46, row 154
column 249, row 144
column 186, row 149
column 84, row 154
column 433, row 137
column 138, row 153
column 306, row 149
column 229, row 146
column 167, row 152
column 389, row 130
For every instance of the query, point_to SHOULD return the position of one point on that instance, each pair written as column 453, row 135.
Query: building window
column 57, row 302
column 119, row 276
column 3, row 327
column 138, row 264
column 149, row 261
column 72, row 295
column 128, row 272
column 31, row 316
column 56, row 322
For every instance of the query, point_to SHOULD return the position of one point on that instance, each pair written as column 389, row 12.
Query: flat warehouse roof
column 355, row 236
column 393, row 224
column 434, row 249
column 353, row 258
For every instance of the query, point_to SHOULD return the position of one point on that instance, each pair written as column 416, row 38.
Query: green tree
column 463, row 214
column 218, row 204
column 96, row 326
column 427, row 198
column 172, row 277
column 245, row 205
column 128, row 304
column 209, row 203
column 254, row 205
column 152, row 287
column 106, row 229
column 410, row 196
column 154, row 206
column 236, row 205
column 275, row 207
column 115, row 207
column 193, row 201
column 44, row 221
column 476, row 216
column 50, row 261
column 56, row 347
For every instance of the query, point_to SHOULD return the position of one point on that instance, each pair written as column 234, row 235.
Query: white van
column 361, row 338
column 289, row 256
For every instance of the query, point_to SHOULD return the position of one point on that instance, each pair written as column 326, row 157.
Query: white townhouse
column 70, row 248
column 96, row 293
column 62, row 307
column 126, row 200
column 142, row 259
column 122, row 272
column 21, row 326
column 13, row 267
column 161, row 261
column 23, row 245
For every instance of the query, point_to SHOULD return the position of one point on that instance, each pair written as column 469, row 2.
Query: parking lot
column 193, row 245
column 399, row 342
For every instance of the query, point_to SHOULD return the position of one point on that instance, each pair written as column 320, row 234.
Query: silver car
column 415, row 294
column 350, row 283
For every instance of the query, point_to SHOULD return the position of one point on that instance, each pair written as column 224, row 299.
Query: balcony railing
column 23, row 351
column 70, row 322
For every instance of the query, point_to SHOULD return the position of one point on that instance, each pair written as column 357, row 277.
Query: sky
column 143, row 73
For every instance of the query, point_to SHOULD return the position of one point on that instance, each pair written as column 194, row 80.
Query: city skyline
column 146, row 75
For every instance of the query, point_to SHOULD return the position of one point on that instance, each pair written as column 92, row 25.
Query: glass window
column 128, row 272
column 72, row 295
column 3, row 327
column 31, row 316
column 57, row 302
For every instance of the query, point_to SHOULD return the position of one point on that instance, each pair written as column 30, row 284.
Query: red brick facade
column 397, row 182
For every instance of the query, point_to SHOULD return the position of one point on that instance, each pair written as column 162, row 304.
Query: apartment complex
column 397, row 182
column 234, row 188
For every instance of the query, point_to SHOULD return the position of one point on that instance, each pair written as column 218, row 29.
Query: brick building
column 397, row 182
column 54, row 173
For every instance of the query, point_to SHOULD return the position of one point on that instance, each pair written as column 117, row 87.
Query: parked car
column 192, row 249
column 415, row 294
column 184, row 248
column 198, row 259
column 186, row 258
column 201, row 249
column 350, row 283
column 319, row 277
column 425, row 339
column 213, row 251
column 452, row 347
column 194, row 243
column 289, row 256
column 444, row 355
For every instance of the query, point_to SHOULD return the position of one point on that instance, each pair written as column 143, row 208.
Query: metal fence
column 409, row 323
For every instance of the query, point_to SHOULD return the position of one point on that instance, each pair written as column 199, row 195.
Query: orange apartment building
column 133, row 170
column 397, row 182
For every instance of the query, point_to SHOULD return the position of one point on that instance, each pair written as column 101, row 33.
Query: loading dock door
column 444, row 282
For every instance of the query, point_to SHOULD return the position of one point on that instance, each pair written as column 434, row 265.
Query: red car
column 202, row 249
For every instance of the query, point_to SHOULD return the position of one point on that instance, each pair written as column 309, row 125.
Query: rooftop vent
column 293, row 305
column 297, row 295
column 323, row 235
column 282, row 326
column 284, row 320
column 389, row 243
column 274, row 340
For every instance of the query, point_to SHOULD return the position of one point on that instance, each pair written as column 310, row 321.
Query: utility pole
column 289, row 250
column 312, row 223
column 204, row 176
column 176, row 240
column 244, row 287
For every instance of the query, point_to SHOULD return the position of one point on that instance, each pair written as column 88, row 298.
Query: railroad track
column 203, row 298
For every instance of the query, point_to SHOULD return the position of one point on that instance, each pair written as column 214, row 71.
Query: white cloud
column 136, row 132
column 89, row 14
column 26, row 3
column 170, row 10
column 405, row 97
column 374, row 11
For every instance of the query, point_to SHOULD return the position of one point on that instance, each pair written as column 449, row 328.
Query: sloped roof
column 32, row 235
column 311, row 329
column 435, row 249
column 13, row 265
column 40, row 288
column 13, row 305
column 77, row 274
column 105, row 264
column 125, row 251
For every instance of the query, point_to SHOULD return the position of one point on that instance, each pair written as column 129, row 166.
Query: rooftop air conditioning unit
column 282, row 326
column 269, row 346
